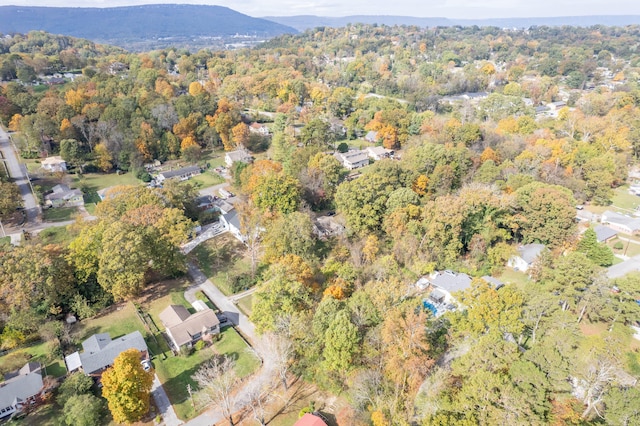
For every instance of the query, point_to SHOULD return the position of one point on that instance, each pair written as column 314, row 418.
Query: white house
column 231, row 222
column 259, row 129
column 371, row 136
column 353, row 159
column 620, row 222
column 20, row 388
column 54, row 164
column 241, row 155
column 63, row 196
column 527, row 255
column 379, row 152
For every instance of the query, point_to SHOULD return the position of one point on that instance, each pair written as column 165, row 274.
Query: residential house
column 107, row 192
column 604, row 233
column 371, row 137
column 241, row 155
column 621, row 223
column 63, row 196
column 353, row 159
column 231, row 222
column 20, row 388
column 181, row 174
column 527, row 255
column 259, row 129
column 555, row 106
column 185, row 329
column 379, row 152
column 54, row 164
column 445, row 283
column 99, row 352
column 327, row 226
column 311, row 419
column 493, row 282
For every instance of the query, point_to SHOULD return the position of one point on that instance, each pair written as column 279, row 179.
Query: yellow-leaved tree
column 127, row 387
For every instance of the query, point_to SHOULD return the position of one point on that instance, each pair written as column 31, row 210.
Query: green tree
column 127, row 387
column 11, row 198
column 622, row 406
column 291, row 234
column 70, row 151
column 277, row 192
column 600, row 254
column 340, row 343
column 75, row 384
column 84, row 410
column 547, row 213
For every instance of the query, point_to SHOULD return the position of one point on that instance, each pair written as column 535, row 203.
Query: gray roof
column 99, row 352
column 603, row 233
column 496, row 283
column 450, row 281
column 240, row 155
column 179, row 172
column 630, row 222
column 199, row 322
column 371, row 136
column 232, row 218
column 530, row 252
column 21, row 387
column 354, row 157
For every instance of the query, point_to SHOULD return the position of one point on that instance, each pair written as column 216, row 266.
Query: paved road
column 622, row 269
column 164, row 405
column 19, row 173
column 247, row 329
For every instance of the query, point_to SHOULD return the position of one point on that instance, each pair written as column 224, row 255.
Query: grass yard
column 207, row 179
column 214, row 158
column 42, row 353
column 622, row 202
column 518, row 278
column 97, row 181
column 59, row 214
column 117, row 320
column 246, row 304
column 629, row 249
column 221, row 258
column 175, row 372
column 5, row 241
column 56, row 235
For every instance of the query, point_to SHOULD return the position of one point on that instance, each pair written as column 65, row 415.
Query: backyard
column 59, row 214
column 221, row 259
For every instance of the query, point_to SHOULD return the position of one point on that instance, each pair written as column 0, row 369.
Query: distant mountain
column 304, row 22
column 123, row 25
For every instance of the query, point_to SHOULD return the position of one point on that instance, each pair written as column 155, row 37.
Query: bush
column 143, row 175
column 343, row 147
column 185, row 351
column 207, row 217
column 199, row 345
column 241, row 282
column 618, row 245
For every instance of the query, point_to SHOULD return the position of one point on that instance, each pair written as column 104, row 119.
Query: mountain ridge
column 116, row 25
column 304, row 22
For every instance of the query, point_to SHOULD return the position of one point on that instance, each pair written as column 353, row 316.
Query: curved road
column 18, row 172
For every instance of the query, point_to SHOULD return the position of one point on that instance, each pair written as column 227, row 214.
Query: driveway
column 246, row 327
column 622, row 269
column 18, row 172
column 211, row 231
column 164, row 405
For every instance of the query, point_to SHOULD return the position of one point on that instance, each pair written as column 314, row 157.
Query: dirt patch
column 592, row 329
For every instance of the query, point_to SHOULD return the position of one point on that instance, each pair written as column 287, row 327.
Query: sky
column 476, row 9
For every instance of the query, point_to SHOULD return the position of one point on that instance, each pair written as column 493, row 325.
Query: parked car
column 146, row 365
column 223, row 319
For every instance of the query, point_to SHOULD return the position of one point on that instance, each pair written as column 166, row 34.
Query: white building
column 379, row 152
column 241, row 155
column 620, row 222
column 54, row 164
column 353, row 159
column 527, row 255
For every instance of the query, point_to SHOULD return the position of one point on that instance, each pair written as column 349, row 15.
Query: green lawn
column 518, row 278
column 245, row 304
column 628, row 249
column 622, row 202
column 56, row 235
column 59, row 214
column 5, row 241
column 41, row 352
column 175, row 372
column 118, row 320
column 97, row 181
column 91, row 208
column 207, row 179
column 221, row 258
column 214, row 158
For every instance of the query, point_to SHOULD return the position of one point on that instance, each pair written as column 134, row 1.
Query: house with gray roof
column 185, row 329
column 180, row 174
column 379, row 152
column 353, row 159
column 621, row 223
column 240, row 155
column 604, row 233
column 63, row 196
column 99, row 352
column 527, row 255
column 231, row 222
column 20, row 388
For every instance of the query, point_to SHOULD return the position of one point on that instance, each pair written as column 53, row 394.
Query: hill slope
column 118, row 24
column 303, row 22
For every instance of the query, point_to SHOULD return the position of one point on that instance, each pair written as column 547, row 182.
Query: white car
column 146, row 364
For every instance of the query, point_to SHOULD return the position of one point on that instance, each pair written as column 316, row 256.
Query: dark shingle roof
column 603, row 233
column 180, row 172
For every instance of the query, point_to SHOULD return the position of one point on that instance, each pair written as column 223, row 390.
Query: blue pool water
column 429, row 306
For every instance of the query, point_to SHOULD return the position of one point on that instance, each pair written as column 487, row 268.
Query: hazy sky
column 418, row 8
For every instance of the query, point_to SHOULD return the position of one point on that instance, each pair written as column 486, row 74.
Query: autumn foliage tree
column 127, row 387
